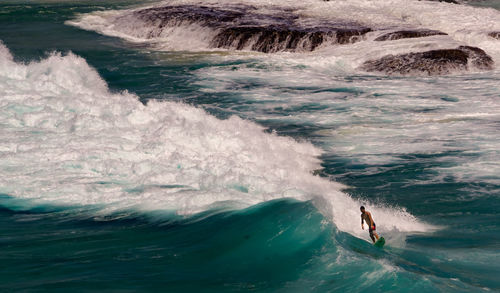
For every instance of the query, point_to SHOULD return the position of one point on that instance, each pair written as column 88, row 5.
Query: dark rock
column 172, row 16
column 406, row 34
column 447, row 1
column 241, row 27
column 478, row 58
column 495, row 35
column 434, row 62
column 275, row 39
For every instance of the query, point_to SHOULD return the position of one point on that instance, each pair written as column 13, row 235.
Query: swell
column 222, row 250
column 267, row 247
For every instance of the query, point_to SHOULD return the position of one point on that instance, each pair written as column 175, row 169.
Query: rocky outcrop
column 406, row 34
column 243, row 28
column 447, row 1
column 434, row 62
column 276, row 39
column 274, row 29
column 495, row 35
column 172, row 16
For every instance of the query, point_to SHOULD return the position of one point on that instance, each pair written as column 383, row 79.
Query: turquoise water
column 231, row 181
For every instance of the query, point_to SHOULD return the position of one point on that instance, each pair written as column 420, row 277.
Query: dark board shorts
column 371, row 230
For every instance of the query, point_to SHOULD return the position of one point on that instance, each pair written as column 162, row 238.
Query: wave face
column 225, row 251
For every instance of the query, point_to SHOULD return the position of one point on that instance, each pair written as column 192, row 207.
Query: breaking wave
column 66, row 139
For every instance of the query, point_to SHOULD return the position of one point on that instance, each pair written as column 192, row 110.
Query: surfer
column 367, row 216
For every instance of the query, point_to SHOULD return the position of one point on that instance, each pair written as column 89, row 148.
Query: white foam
column 191, row 37
column 65, row 138
column 376, row 121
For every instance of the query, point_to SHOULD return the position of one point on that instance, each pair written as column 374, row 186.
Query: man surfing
column 367, row 216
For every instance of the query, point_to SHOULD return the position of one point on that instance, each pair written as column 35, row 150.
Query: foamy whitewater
column 68, row 140
column 138, row 156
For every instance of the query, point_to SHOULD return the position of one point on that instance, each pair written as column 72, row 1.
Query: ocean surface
column 134, row 164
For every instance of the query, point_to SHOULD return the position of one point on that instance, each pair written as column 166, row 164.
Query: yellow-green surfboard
column 380, row 242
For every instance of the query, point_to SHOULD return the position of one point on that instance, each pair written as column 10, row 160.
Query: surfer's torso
column 366, row 216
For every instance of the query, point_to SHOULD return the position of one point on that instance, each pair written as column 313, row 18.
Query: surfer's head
column 362, row 209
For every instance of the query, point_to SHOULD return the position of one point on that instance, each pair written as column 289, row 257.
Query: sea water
column 132, row 164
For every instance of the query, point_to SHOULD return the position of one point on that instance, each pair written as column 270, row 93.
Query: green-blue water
column 136, row 209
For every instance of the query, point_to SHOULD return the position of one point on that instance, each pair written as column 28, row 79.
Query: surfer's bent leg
column 371, row 234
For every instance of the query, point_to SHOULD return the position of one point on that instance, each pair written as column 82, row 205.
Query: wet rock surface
column 243, row 28
column 495, row 35
column 447, row 1
column 407, row 34
column 434, row 62
column 274, row 29
column 275, row 39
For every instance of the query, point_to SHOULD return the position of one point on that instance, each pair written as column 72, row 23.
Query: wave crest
column 67, row 139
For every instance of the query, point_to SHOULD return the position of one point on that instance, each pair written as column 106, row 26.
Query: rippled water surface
column 153, row 165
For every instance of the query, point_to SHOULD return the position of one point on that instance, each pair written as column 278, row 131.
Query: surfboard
column 380, row 242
